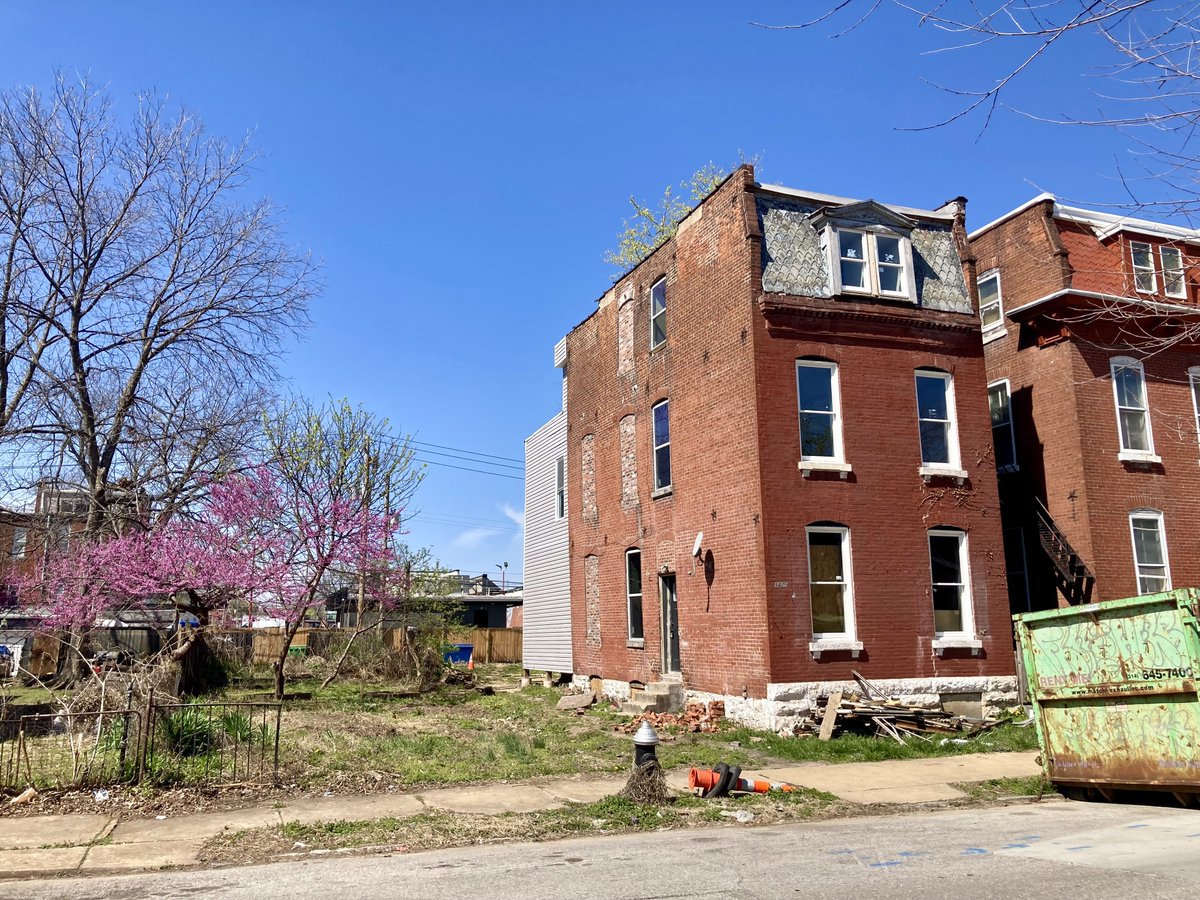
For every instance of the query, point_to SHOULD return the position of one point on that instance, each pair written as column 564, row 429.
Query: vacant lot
column 353, row 737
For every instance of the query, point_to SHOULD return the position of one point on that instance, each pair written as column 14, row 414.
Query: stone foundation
column 786, row 704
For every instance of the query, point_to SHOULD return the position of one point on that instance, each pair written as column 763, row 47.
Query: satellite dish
column 696, row 546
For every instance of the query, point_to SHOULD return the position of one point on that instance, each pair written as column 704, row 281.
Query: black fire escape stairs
column 1072, row 576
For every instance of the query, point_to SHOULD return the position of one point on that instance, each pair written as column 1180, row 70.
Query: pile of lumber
column 871, row 710
column 698, row 717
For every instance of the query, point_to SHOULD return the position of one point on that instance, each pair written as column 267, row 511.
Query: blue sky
column 460, row 169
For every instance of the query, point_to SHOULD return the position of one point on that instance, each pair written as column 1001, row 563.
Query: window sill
column 636, row 643
column 942, row 644
column 835, row 645
column 662, row 492
column 994, row 334
column 808, row 466
column 1139, row 456
column 928, row 472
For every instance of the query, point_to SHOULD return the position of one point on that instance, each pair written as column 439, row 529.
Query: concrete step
column 658, row 696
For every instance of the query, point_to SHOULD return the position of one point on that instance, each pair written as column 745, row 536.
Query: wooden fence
column 497, row 645
column 261, row 646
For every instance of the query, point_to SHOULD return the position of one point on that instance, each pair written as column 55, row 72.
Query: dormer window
column 872, row 263
column 1143, row 267
column 1172, row 267
column 869, row 250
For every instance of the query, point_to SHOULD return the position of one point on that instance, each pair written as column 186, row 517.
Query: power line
column 469, row 459
column 471, row 452
column 434, row 462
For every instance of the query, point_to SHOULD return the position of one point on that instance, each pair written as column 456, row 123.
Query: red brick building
column 1089, row 324
column 796, row 382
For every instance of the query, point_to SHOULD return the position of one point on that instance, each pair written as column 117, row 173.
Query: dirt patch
column 437, row 830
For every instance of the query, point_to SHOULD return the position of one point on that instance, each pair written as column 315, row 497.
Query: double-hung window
column 662, row 445
column 830, row 586
column 1172, row 270
column 1003, row 436
column 20, row 541
column 1143, row 267
column 873, row 263
column 1133, row 409
column 560, row 488
column 991, row 307
column 1149, row 551
column 633, row 593
column 658, row 313
column 949, row 573
column 820, row 415
column 936, row 421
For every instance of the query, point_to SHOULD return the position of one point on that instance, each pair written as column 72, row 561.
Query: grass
column 435, row 829
column 342, row 739
column 1003, row 788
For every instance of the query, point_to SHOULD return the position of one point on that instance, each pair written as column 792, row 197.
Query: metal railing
column 205, row 744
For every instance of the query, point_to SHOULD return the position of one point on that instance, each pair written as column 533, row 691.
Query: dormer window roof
column 869, row 250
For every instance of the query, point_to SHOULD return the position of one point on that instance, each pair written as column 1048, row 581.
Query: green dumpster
column 1113, row 687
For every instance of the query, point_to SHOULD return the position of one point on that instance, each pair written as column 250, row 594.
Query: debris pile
column 873, row 711
column 698, row 717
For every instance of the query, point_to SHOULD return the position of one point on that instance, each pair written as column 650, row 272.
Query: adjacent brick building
column 1089, row 336
column 796, row 382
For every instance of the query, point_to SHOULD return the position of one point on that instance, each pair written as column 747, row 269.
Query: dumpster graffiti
column 1144, row 650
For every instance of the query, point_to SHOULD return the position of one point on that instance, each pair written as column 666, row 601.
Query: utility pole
column 362, row 563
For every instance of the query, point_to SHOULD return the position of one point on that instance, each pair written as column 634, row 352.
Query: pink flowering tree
column 271, row 537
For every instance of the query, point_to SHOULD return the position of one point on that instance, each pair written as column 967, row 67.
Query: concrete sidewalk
column 95, row 844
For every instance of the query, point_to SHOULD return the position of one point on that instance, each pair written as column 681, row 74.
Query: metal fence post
column 278, row 726
column 144, row 735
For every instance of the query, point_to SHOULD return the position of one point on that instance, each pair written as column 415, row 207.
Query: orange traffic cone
column 471, row 662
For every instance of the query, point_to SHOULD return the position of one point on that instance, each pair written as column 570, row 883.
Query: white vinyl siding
column 546, row 638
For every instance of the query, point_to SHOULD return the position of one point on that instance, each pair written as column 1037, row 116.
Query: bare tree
column 344, row 483
column 1147, row 87
column 147, row 296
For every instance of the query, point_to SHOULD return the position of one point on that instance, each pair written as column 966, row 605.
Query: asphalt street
column 1051, row 849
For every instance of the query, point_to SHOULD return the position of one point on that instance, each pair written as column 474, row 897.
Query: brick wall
column 1063, row 406
column 729, row 375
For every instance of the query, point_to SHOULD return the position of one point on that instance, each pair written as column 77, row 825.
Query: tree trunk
column 200, row 672
column 289, row 634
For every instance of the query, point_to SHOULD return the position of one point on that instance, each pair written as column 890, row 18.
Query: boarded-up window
column 591, row 513
column 591, row 592
column 627, row 431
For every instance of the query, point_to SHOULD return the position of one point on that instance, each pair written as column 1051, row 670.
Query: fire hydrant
column 644, row 743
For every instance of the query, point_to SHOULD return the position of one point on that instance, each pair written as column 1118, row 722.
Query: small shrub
column 189, row 731
column 237, row 726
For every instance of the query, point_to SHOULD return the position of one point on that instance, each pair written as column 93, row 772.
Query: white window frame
column 964, row 638
column 1126, row 454
column 1160, row 526
column 997, row 327
column 953, row 466
column 661, row 488
column 659, row 314
column 1142, row 270
column 1194, row 384
column 842, row 640
column 1012, row 428
column 20, row 542
column 836, row 461
column 871, row 261
column 637, row 640
column 1169, row 270
column 560, row 487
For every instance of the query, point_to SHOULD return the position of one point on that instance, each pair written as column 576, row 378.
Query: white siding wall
column 547, row 579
